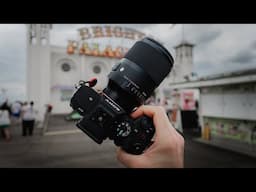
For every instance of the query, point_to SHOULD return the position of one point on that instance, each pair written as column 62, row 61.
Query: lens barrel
column 139, row 73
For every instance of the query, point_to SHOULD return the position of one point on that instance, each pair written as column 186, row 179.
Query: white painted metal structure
column 52, row 73
column 183, row 65
column 38, row 65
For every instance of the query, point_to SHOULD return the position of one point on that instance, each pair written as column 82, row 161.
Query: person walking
column 28, row 119
column 5, row 124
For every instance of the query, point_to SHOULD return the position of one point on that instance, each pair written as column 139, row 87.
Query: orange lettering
column 84, row 33
column 97, row 31
column 129, row 33
column 108, row 31
column 118, row 32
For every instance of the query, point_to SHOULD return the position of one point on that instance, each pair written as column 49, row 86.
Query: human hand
column 167, row 151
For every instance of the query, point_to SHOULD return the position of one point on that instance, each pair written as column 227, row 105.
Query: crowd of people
column 17, row 113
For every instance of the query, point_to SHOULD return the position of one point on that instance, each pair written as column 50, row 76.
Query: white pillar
column 38, row 66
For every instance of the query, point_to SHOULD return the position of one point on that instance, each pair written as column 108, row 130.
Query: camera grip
column 134, row 136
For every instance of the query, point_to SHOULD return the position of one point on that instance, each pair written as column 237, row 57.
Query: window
column 188, row 52
column 96, row 69
column 66, row 95
column 65, row 67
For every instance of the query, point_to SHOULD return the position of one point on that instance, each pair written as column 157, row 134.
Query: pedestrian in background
column 16, row 109
column 28, row 115
column 16, row 112
column 5, row 124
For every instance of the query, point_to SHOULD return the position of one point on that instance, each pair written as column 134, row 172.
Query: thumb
column 129, row 160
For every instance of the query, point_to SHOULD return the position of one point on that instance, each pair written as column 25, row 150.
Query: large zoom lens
column 136, row 76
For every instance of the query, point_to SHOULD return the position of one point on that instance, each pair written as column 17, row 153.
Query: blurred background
column 209, row 94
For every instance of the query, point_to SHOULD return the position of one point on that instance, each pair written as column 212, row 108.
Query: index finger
column 158, row 114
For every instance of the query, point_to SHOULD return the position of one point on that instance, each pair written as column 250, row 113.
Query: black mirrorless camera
column 132, row 80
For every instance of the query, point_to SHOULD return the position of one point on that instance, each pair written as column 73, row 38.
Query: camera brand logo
column 111, row 103
column 80, row 109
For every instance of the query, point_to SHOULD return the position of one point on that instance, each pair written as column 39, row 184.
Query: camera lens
column 131, row 81
column 139, row 73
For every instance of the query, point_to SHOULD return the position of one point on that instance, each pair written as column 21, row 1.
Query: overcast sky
column 219, row 47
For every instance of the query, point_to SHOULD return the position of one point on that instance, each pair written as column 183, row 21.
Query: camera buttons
column 137, row 146
column 115, row 66
column 123, row 129
column 100, row 118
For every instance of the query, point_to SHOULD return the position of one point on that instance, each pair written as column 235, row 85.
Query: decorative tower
column 183, row 66
column 38, row 66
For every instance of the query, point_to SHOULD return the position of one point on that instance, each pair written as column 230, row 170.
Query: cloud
column 206, row 38
column 225, row 50
column 243, row 57
column 13, row 60
column 253, row 45
column 202, row 33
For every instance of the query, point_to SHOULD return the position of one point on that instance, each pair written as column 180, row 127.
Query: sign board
column 82, row 47
column 110, row 31
column 187, row 100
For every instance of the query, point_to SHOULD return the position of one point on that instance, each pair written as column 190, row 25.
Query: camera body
column 103, row 118
column 132, row 80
